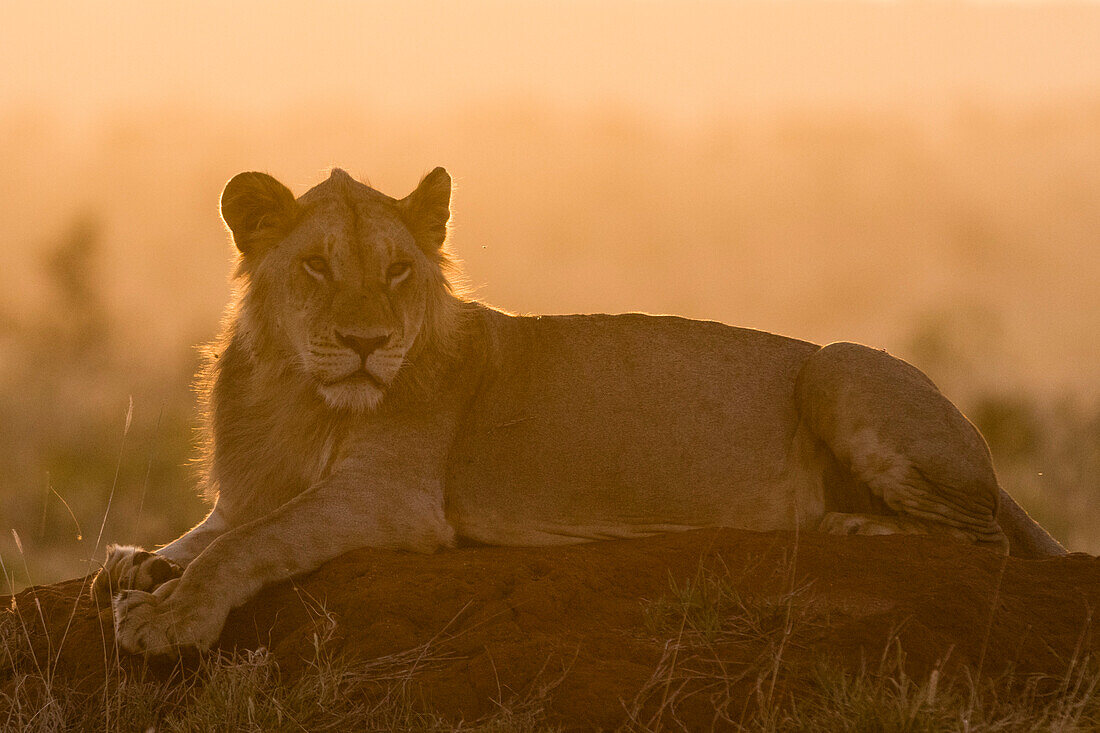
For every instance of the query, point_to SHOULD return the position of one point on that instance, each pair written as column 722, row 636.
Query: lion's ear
column 427, row 210
column 257, row 209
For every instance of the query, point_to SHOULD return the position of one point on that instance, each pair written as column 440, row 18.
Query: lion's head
column 343, row 285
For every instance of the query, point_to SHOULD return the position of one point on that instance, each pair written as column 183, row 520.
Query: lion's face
column 341, row 287
column 353, row 299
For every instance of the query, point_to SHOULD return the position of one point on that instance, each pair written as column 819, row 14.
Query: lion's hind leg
column 899, row 437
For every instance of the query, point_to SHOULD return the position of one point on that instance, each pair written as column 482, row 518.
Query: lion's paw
column 131, row 568
column 154, row 624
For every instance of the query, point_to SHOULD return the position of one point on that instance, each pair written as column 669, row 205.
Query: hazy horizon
column 822, row 227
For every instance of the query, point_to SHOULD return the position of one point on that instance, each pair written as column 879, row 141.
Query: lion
column 355, row 399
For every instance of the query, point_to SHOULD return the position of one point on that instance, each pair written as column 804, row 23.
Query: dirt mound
column 593, row 623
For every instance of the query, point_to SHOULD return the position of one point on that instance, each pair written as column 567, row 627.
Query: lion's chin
column 358, row 397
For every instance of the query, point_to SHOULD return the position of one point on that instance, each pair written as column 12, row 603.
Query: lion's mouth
column 361, row 375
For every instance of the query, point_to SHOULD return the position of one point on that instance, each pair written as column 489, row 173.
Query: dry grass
column 705, row 621
column 727, row 659
column 886, row 698
column 246, row 691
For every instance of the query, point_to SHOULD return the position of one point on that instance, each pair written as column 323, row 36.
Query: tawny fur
column 355, row 399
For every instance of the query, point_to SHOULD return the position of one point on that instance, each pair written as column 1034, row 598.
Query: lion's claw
column 132, row 568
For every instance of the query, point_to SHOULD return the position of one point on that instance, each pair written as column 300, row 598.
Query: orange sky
column 676, row 59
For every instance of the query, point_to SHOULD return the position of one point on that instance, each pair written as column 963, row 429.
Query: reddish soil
column 507, row 621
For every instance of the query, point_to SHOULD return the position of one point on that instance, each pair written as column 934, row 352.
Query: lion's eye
column 317, row 267
column 397, row 272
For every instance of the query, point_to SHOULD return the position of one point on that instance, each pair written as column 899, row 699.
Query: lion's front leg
column 331, row 518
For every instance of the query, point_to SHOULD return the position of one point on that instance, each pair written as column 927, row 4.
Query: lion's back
column 612, row 422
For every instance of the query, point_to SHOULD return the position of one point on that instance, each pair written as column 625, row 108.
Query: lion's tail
column 1025, row 537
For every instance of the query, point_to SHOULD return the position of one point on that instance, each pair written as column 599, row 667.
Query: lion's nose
column 361, row 345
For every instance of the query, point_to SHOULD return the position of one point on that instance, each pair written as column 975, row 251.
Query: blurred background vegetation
column 920, row 177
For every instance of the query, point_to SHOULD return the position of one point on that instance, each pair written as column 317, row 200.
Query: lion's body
column 354, row 401
column 589, row 427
